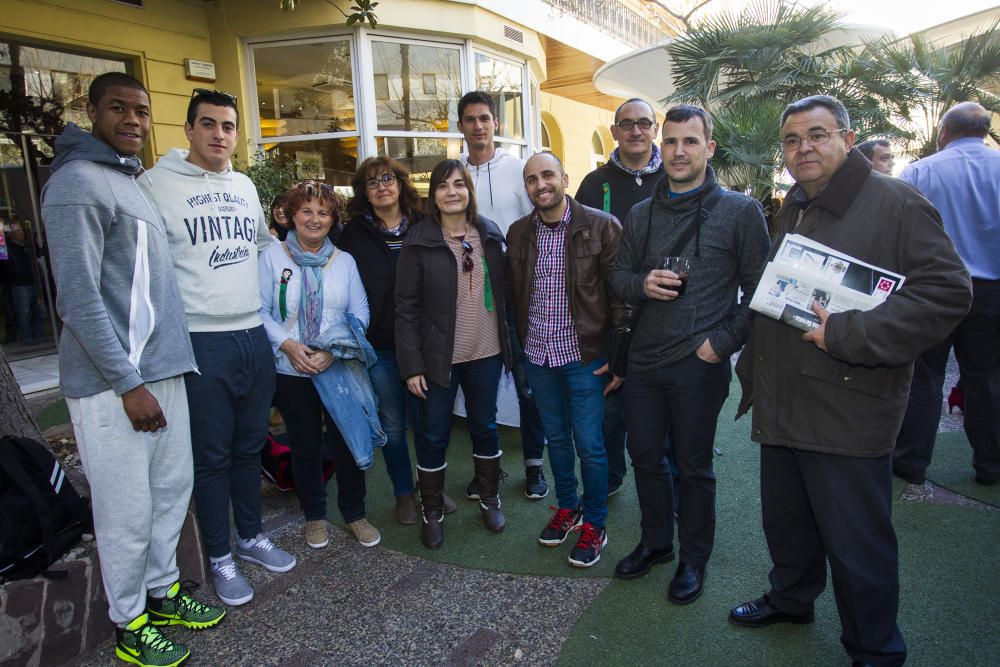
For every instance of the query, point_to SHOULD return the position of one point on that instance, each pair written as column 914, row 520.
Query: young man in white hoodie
column 500, row 196
column 216, row 227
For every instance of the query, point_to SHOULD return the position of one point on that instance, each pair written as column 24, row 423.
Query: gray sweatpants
column 140, row 485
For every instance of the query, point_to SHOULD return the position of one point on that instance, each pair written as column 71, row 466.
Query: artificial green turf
column 468, row 543
column 948, row 603
column 53, row 415
column 951, row 467
column 950, row 596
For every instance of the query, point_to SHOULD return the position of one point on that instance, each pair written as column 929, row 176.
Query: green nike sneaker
column 179, row 608
column 141, row 643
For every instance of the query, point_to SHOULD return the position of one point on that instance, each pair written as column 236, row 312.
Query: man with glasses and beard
column 629, row 176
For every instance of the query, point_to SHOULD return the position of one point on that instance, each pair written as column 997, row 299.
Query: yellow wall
column 576, row 125
column 160, row 36
column 156, row 39
column 233, row 22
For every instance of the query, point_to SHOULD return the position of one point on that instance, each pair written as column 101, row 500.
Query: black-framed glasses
column 814, row 137
column 211, row 91
column 627, row 124
column 385, row 179
column 467, row 257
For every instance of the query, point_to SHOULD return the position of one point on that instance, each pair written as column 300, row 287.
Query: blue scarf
column 311, row 303
column 654, row 163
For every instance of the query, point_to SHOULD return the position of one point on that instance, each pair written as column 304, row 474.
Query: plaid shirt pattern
column 551, row 337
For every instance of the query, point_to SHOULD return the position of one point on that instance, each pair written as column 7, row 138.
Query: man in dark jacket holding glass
column 678, row 363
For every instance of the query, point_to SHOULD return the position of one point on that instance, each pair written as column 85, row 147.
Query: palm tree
column 932, row 79
column 746, row 66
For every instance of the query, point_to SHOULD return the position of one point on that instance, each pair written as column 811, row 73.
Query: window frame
column 366, row 131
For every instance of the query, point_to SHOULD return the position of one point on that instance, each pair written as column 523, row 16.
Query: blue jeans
column 230, row 399
column 570, row 400
column 532, row 433
column 394, row 401
column 479, row 380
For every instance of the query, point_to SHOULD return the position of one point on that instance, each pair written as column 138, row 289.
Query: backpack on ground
column 41, row 514
column 276, row 463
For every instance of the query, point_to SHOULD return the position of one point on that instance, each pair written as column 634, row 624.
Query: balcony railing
column 613, row 18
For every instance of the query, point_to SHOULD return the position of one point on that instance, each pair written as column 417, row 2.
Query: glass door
column 41, row 90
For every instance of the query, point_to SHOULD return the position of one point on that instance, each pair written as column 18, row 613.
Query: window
column 51, row 87
column 598, row 155
column 311, row 106
column 504, row 81
column 305, row 88
column 423, row 85
column 305, row 105
column 420, row 155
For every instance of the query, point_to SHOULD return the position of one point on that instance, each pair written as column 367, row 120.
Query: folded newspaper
column 804, row 272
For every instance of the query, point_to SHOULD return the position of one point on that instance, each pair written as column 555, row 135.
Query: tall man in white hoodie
column 500, row 196
column 216, row 227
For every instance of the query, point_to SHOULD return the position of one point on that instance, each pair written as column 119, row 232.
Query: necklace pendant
column 638, row 180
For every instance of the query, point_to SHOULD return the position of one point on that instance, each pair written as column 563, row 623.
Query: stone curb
column 51, row 621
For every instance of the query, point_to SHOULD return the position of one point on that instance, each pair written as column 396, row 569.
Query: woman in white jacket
column 305, row 284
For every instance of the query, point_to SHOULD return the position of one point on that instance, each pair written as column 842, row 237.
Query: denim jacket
column 346, row 389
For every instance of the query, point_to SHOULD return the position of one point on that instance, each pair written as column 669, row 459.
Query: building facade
column 310, row 87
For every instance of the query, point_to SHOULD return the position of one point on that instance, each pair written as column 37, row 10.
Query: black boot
column 431, row 483
column 488, row 480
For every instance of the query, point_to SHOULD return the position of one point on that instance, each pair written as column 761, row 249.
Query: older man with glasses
column 827, row 404
column 629, row 176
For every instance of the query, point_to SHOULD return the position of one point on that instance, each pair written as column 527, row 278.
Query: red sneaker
column 563, row 523
column 588, row 548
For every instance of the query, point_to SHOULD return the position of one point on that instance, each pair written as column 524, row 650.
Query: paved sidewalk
column 348, row 605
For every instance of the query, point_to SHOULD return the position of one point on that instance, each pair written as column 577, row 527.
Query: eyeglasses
column 627, row 124
column 814, row 137
column 197, row 92
column 466, row 257
column 384, row 179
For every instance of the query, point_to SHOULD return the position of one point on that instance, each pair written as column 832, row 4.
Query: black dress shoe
column 687, row 583
column 909, row 477
column 641, row 560
column 759, row 613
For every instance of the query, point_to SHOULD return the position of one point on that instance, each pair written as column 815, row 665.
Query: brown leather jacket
column 592, row 239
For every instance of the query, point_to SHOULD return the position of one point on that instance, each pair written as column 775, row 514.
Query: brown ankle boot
column 488, row 479
column 431, row 483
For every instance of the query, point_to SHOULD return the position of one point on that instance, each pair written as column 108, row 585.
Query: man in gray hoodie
column 123, row 352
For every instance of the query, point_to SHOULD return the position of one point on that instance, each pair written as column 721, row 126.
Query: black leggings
column 304, row 415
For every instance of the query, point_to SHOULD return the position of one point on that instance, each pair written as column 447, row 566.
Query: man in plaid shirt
column 560, row 258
